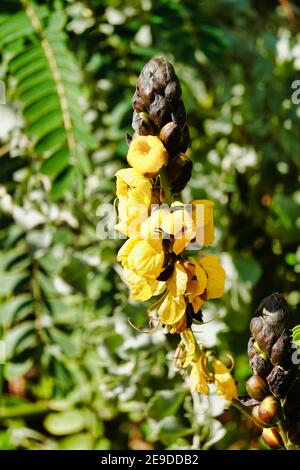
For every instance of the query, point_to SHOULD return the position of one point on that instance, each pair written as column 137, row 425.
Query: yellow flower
column 204, row 222
column 141, row 289
column 206, row 279
column 215, row 276
column 218, row 374
column 134, row 193
column 198, row 379
column 147, row 155
column 224, row 381
column 174, row 223
column 143, row 257
column 172, row 309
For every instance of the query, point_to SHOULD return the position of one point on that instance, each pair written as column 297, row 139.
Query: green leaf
column 18, row 306
column 20, row 338
column 56, row 163
column 63, row 183
column 165, row 403
column 8, row 281
column 64, row 341
column 67, row 422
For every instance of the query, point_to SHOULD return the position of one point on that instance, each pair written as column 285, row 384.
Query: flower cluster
column 160, row 228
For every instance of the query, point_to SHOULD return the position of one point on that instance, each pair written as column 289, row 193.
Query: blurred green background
column 77, row 375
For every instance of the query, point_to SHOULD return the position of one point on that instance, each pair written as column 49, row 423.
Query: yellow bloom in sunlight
column 134, row 193
column 143, row 257
column 198, row 381
column 173, row 222
column 224, row 381
column 209, row 369
column 204, row 221
column 141, row 289
column 147, row 155
column 172, row 309
column 215, row 276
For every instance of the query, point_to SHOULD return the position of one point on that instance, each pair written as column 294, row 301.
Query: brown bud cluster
column 274, row 387
column 159, row 110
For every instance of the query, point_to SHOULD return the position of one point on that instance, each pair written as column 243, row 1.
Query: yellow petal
column 140, row 288
column 129, row 178
column 177, row 282
column 172, row 309
column 197, row 280
column 224, row 381
column 215, row 276
column 180, row 244
column 147, row 155
column 179, row 222
column 134, row 193
column 190, row 346
column 124, row 251
column 204, row 222
column 198, row 382
column 197, row 303
column 146, row 258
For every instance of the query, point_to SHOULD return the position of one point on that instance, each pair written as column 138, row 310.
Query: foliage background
column 77, row 375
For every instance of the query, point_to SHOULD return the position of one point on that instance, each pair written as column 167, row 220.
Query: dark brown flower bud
column 170, row 135
column 185, row 139
column 179, row 172
column 142, row 124
column 260, row 365
column 272, row 438
column 265, row 338
column 257, row 387
column 256, row 325
column 138, row 103
column 281, row 351
column 158, row 111
column 279, row 380
column 269, row 411
column 251, row 349
column 179, row 116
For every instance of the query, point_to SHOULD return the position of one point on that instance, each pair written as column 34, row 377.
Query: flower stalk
column 156, row 257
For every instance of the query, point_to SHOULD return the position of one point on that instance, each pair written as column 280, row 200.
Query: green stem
column 243, row 409
column 164, row 182
column 23, row 410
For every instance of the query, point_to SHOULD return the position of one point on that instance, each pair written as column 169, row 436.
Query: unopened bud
column 269, row 411
column 271, row 438
column 255, row 416
column 257, row 387
column 179, row 172
column 170, row 135
column 142, row 124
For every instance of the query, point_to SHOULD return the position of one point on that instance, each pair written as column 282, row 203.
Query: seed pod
column 257, row 387
column 272, row 438
column 179, row 172
column 269, row 411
